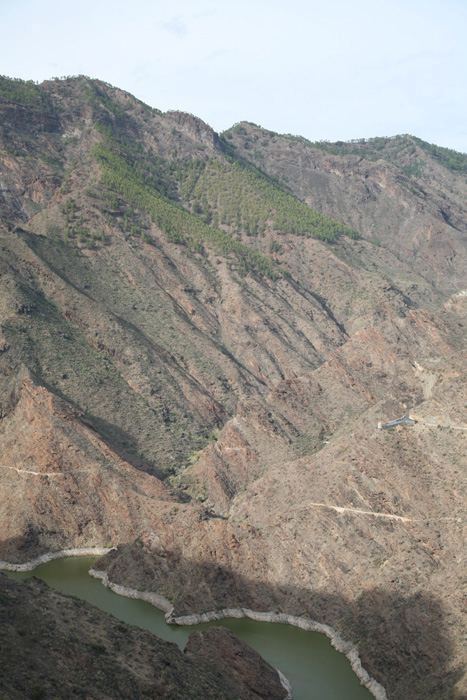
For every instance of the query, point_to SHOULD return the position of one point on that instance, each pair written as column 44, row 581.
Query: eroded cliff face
column 167, row 388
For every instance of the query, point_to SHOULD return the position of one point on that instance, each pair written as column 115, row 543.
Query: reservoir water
column 315, row 669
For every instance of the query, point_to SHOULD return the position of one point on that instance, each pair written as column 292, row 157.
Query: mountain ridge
column 195, row 362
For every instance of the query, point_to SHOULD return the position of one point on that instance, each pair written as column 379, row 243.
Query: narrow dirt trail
column 389, row 516
column 30, row 471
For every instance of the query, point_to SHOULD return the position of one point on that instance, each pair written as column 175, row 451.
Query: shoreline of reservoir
column 344, row 647
column 347, row 648
column 50, row 556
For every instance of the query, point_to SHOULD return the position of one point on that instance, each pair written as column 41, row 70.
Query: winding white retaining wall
column 49, row 556
column 347, row 648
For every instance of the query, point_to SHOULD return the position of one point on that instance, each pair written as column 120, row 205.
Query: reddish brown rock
column 221, row 429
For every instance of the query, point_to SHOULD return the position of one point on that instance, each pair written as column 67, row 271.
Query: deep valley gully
column 315, row 669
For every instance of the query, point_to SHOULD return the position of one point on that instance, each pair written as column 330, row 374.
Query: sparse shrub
column 38, row 692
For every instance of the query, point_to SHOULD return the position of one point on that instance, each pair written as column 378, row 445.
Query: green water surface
column 315, row 669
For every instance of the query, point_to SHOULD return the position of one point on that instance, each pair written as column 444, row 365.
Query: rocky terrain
column 54, row 646
column 194, row 358
column 400, row 193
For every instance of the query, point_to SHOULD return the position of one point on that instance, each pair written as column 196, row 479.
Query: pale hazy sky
column 335, row 70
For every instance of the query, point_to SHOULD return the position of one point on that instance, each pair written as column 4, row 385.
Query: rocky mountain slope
column 401, row 193
column 199, row 335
